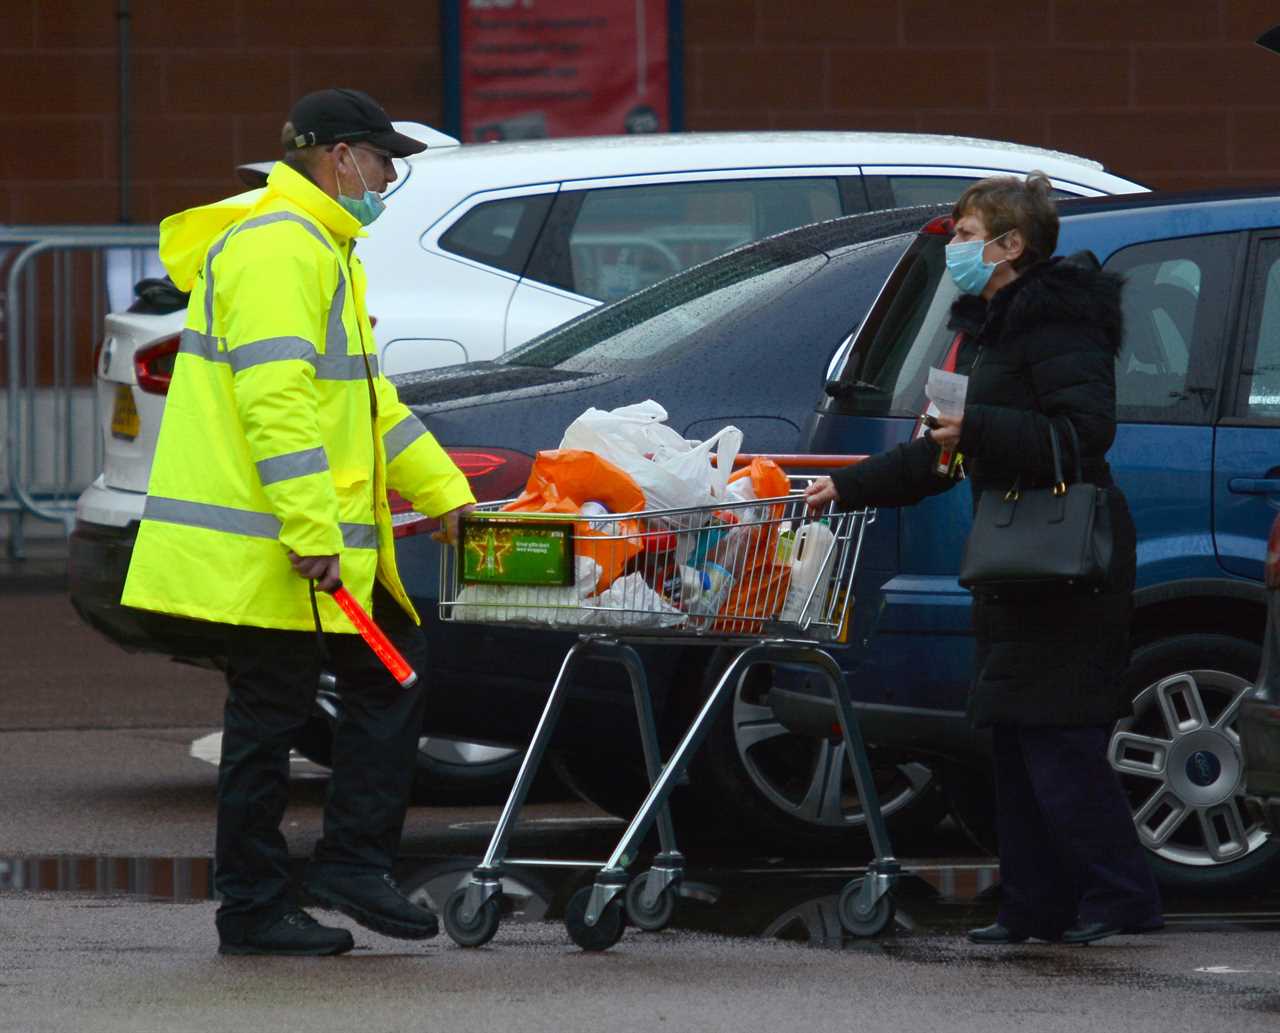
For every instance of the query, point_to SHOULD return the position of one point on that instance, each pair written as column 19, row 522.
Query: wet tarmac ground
column 126, row 944
column 106, row 906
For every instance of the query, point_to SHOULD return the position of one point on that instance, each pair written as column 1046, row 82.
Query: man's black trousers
column 272, row 678
column 1068, row 848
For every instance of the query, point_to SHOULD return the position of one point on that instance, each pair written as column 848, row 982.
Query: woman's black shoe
column 1087, row 932
column 994, row 933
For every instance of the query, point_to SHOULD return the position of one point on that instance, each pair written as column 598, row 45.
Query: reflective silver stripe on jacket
column 292, row 464
column 242, row 521
column 359, row 536
column 402, row 435
column 335, row 364
column 275, row 349
column 211, row 517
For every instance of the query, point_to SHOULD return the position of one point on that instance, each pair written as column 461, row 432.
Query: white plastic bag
column 812, row 564
column 501, row 604
column 672, row 472
column 631, row 603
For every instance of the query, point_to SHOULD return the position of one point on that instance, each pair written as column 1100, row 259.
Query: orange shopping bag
column 761, row 583
column 562, row 480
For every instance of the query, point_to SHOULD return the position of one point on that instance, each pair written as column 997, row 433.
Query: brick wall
column 1170, row 92
column 211, row 83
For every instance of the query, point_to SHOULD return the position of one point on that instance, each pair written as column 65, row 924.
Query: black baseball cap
column 346, row 116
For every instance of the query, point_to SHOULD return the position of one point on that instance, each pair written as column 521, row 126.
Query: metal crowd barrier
column 53, row 298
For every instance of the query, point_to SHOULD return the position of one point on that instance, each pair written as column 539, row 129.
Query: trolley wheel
column 479, row 930
column 601, row 936
column 650, row 919
column 864, row 923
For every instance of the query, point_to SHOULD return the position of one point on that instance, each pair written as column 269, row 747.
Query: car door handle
column 1254, row 485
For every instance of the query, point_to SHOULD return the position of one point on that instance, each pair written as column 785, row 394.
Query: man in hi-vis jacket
column 279, row 442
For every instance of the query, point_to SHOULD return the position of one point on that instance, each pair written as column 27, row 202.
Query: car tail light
column 1273, row 556
column 494, row 473
column 154, row 365
column 942, row 226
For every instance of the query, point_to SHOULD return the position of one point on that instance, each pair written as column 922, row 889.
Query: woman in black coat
column 1039, row 346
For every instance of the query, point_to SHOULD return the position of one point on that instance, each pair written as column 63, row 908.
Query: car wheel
column 448, row 770
column 779, row 786
column 754, row 782
column 1180, row 761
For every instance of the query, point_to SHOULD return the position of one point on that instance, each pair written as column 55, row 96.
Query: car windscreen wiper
column 845, row 388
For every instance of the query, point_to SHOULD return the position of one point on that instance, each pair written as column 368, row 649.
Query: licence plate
column 125, row 423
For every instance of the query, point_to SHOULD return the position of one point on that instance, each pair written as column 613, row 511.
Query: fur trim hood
column 1061, row 290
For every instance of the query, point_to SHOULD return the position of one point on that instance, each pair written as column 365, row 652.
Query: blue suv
column 1197, row 453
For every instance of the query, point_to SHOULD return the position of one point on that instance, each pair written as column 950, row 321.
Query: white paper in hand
column 946, row 391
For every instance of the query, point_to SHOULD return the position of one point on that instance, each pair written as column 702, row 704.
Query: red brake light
column 154, row 365
column 1273, row 556
column 494, row 473
column 942, row 226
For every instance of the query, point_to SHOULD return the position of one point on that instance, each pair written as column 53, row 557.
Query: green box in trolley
column 496, row 549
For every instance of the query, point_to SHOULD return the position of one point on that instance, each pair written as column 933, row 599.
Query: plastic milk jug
column 813, row 563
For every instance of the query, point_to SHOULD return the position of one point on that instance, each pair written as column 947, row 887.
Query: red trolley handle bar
column 397, row 666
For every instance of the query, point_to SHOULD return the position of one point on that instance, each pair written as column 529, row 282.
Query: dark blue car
column 1197, row 453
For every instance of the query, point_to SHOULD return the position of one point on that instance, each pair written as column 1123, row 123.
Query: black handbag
column 1040, row 538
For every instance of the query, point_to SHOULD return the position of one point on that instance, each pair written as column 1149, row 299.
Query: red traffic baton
column 397, row 666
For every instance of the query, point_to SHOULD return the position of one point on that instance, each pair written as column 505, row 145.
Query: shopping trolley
column 764, row 576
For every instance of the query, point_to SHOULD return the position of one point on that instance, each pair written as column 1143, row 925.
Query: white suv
column 486, row 245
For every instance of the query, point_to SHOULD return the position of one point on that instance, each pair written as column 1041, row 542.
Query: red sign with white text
column 538, row 68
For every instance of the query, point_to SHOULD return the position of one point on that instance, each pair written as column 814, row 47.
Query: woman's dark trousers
column 272, row 677
column 1068, row 847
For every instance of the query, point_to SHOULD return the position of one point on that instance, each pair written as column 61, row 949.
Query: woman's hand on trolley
column 820, row 493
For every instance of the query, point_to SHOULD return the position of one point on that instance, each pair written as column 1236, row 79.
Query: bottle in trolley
column 783, row 590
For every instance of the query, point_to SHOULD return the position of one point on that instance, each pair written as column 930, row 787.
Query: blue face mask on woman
column 365, row 209
column 966, row 266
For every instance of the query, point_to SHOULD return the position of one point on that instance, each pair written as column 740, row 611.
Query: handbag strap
column 1059, row 482
column 1075, row 448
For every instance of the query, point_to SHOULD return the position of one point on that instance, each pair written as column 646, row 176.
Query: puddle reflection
column 798, row 905
column 163, row 878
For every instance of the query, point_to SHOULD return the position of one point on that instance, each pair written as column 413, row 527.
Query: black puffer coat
column 1043, row 348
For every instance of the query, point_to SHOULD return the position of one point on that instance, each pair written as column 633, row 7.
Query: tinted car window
column 1175, row 301
column 626, row 238
column 903, row 335
column 499, row 233
column 904, row 189
column 1258, row 396
column 656, row 322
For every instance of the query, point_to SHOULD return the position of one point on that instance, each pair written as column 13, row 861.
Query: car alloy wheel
column 808, row 778
column 1179, row 758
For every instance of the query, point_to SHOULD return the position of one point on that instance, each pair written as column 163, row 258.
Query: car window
column 1174, row 302
column 624, row 239
column 499, row 233
column 1258, row 393
column 902, row 189
column 655, row 323
column 903, row 335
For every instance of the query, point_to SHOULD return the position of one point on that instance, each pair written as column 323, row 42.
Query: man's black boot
column 373, row 899
column 294, row 932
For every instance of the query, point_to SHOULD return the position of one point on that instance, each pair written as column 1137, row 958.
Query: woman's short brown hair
column 1008, row 203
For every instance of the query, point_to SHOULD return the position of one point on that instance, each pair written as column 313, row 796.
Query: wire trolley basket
column 734, row 571
column 766, row 575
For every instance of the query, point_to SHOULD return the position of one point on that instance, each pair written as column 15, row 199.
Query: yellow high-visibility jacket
column 269, row 442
